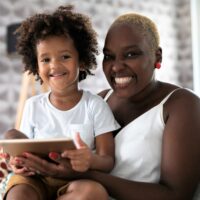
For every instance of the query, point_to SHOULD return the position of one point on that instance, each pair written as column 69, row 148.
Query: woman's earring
column 158, row 65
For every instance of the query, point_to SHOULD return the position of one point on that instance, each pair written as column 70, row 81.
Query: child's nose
column 54, row 64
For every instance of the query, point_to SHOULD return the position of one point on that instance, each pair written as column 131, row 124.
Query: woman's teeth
column 123, row 80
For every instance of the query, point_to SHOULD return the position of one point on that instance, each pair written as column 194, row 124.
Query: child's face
column 58, row 63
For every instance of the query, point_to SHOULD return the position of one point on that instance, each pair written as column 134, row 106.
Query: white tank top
column 138, row 146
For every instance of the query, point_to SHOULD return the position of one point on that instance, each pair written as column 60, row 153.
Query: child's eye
column 45, row 60
column 64, row 57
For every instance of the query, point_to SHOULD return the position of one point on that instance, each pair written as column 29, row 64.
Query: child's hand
column 81, row 158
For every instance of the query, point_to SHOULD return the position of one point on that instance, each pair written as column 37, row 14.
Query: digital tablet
column 40, row 147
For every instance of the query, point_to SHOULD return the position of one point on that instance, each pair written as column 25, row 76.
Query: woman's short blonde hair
column 146, row 25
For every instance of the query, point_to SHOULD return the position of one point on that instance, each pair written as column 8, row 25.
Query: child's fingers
column 78, row 141
column 76, row 154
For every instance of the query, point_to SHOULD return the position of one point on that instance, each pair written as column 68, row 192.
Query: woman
column 157, row 151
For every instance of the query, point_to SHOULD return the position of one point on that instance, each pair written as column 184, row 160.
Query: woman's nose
column 118, row 65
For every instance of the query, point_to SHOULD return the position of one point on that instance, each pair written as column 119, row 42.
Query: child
column 60, row 49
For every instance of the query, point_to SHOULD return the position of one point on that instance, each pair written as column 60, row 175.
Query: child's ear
column 81, row 66
column 82, row 69
column 82, row 73
column 159, row 55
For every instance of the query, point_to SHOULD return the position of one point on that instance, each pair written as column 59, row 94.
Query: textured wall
column 172, row 18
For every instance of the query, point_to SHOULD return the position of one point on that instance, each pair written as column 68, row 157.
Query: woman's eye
column 132, row 54
column 107, row 57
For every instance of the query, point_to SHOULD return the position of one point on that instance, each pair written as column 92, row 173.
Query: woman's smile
column 123, row 81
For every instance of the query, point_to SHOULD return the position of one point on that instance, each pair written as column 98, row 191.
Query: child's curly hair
column 61, row 22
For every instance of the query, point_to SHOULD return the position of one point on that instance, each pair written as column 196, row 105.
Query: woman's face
column 128, row 60
column 58, row 63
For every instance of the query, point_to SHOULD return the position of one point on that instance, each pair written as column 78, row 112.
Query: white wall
column 195, row 17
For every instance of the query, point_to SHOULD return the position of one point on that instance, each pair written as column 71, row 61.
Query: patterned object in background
column 3, row 169
column 4, row 172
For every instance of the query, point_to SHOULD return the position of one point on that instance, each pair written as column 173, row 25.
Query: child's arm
column 83, row 158
column 103, row 159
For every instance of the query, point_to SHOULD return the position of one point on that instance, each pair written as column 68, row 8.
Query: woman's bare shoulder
column 103, row 93
column 183, row 95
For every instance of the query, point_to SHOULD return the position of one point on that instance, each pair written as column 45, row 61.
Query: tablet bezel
column 42, row 147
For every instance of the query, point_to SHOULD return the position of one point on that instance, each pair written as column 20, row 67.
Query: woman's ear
column 158, row 60
column 159, row 55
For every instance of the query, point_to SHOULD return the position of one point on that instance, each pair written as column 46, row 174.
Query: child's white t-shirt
column 90, row 117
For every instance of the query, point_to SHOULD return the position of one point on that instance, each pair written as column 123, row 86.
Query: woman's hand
column 58, row 168
column 14, row 164
column 80, row 158
column 17, row 167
